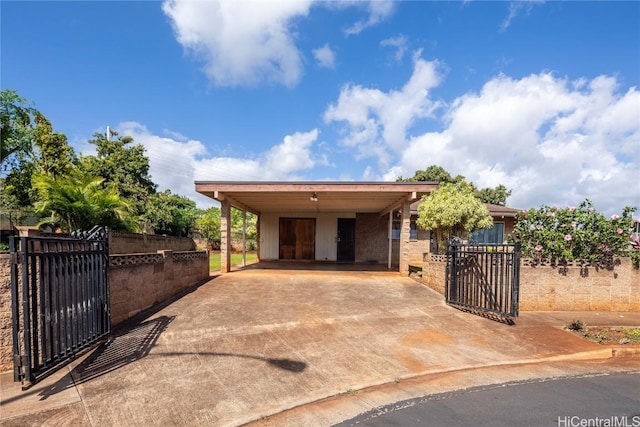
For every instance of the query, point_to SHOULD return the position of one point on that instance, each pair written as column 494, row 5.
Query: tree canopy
column 168, row 213
column 41, row 173
column 75, row 202
column 124, row 166
column 497, row 195
column 452, row 210
column 16, row 127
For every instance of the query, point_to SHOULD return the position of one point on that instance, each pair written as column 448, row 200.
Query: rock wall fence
column 570, row 287
column 136, row 281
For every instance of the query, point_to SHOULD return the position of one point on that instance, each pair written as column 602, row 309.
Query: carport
column 321, row 221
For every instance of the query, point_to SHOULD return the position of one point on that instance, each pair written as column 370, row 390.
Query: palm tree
column 76, row 202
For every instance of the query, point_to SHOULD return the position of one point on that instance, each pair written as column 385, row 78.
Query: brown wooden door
column 287, row 244
column 346, row 239
column 297, row 238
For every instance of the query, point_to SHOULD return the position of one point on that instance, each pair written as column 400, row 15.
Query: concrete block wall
column 6, row 338
column 129, row 243
column 575, row 288
column 137, row 282
column 434, row 271
column 571, row 288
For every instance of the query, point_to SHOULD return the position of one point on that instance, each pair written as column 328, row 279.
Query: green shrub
column 574, row 233
column 576, row 325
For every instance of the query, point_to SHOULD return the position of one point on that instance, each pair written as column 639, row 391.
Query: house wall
column 418, row 247
column 372, row 241
column 326, row 233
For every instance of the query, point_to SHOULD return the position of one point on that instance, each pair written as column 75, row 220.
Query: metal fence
column 60, row 299
column 484, row 278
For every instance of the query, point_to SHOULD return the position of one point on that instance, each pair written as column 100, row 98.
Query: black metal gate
column 60, row 299
column 484, row 279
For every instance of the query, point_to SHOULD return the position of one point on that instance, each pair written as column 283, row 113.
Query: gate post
column 452, row 274
column 15, row 310
column 515, row 284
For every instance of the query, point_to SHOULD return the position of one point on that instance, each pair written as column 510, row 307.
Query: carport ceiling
column 296, row 197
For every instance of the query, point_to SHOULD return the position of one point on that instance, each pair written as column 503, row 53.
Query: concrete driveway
column 256, row 342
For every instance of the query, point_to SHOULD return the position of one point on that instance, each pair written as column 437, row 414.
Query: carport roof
column 297, row 197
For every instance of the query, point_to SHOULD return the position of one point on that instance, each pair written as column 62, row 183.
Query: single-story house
column 362, row 222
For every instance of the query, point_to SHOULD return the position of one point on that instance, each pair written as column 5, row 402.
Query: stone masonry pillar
column 225, row 236
column 405, row 237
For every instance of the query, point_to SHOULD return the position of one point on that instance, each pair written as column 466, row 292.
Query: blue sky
column 540, row 96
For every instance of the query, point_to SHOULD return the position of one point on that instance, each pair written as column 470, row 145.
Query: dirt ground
column 607, row 335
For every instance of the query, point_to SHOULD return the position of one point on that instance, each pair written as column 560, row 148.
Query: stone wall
column 561, row 288
column 6, row 339
column 433, row 272
column 576, row 288
column 136, row 282
column 129, row 243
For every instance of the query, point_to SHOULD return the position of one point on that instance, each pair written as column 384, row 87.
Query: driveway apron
column 258, row 341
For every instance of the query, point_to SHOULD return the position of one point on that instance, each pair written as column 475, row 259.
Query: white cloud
column 399, row 43
column 325, row 56
column 515, row 7
column 176, row 163
column 248, row 43
column 379, row 10
column 377, row 122
column 172, row 159
column 240, row 42
column 551, row 140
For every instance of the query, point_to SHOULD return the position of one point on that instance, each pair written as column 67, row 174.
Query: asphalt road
column 607, row 400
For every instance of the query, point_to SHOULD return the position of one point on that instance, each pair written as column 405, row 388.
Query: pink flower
column 549, row 214
column 554, row 207
column 619, row 231
column 538, row 248
column 574, row 224
column 590, row 209
column 567, row 237
column 571, row 208
column 614, row 217
column 538, row 227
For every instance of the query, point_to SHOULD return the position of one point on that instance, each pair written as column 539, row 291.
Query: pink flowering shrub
column 574, row 233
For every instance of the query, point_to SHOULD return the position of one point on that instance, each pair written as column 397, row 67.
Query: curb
column 600, row 354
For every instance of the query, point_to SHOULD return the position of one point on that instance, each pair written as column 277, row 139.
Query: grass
column 236, row 260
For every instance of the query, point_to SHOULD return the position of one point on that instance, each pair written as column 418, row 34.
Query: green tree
column 236, row 226
column 170, row 214
column 16, row 128
column 55, row 156
column 497, row 195
column 452, row 210
column 434, row 173
column 208, row 224
column 123, row 166
column 75, row 202
column 29, row 147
